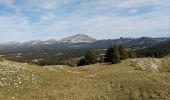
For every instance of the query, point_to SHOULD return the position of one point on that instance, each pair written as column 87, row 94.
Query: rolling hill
column 20, row 81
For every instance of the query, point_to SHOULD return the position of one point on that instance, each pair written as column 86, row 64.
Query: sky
column 23, row 20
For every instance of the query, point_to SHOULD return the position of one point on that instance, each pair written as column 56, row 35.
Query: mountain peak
column 78, row 38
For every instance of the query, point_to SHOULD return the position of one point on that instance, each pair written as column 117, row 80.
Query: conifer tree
column 131, row 54
column 116, row 55
column 123, row 52
column 90, row 58
column 109, row 54
column 101, row 59
column 112, row 55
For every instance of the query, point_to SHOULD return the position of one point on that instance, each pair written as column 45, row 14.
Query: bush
column 72, row 62
column 83, row 62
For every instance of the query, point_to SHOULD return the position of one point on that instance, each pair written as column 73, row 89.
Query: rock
column 148, row 64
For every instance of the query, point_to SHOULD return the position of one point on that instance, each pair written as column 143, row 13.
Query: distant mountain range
column 78, row 41
column 78, row 38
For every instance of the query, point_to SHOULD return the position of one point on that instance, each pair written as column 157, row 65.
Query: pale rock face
column 77, row 39
column 35, row 42
column 148, row 64
column 32, row 42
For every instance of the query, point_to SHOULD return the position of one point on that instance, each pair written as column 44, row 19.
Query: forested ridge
column 157, row 51
column 108, row 54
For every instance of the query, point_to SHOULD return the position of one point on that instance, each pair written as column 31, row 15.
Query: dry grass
column 94, row 82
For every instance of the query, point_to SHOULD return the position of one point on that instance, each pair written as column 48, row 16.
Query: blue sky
column 22, row 20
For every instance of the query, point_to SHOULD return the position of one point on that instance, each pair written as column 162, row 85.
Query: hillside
column 158, row 50
column 123, row 81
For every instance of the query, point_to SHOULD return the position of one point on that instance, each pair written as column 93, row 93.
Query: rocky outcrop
column 152, row 64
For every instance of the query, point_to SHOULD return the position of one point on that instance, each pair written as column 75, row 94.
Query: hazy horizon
column 102, row 19
column 76, row 34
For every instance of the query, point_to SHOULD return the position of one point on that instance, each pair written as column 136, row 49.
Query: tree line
column 157, row 51
column 80, row 57
column 114, row 55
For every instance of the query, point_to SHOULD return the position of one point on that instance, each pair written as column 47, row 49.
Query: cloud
column 10, row 24
column 133, row 11
column 7, row 2
column 42, row 19
column 47, row 17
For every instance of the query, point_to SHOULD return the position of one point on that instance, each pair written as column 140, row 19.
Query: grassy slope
column 94, row 82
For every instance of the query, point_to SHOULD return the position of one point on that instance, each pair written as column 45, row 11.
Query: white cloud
column 13, row 23
column 7, row 2
column 48, row 17
column 99, row 18
column 133, row 11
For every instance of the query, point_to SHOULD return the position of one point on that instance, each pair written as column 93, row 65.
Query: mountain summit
column 77, row 39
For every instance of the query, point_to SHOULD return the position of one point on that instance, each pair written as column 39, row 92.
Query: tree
column 1, row 59
column 131, row 54
column 112, row 55
column 83, row 62
column 123, row 52
column 101, row 59
column 109, row 54
column 90, row 58
column 116, row 56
